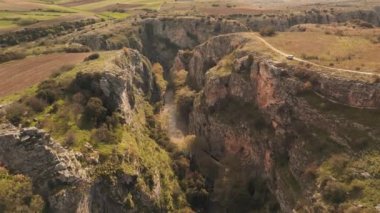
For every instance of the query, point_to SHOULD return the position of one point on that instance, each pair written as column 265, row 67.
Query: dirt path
column 169, row 116
column 311, row 63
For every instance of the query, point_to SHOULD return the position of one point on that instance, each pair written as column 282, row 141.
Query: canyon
column 262, row 135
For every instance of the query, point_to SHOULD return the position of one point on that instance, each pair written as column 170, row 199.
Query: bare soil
column 117, row 6
column 18, row 75
column 77, row 3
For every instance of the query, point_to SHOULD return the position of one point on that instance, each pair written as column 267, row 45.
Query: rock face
column 31, row 152
column 206, row 56
column 351, row 93
column 254, row 110
column 284, row 22
column 129, row 74
column 163, row 37
column 160, row 38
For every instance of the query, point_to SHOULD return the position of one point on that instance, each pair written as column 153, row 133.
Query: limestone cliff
column 117, row 166
column 282, row 22
column 55, row 172
column 253, row 112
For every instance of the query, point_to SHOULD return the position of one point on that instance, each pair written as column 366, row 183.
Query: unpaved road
column 18, row 75
column 312, row 63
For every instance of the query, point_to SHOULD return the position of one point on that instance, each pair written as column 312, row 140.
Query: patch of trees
column 184, row 100
column 83, row 96
column 9, row 56
column 26, row 22
column 20, row 111
column 96, row 108
column 191, row 180
column 77, row 49
column 31, row 34
column 16, row 194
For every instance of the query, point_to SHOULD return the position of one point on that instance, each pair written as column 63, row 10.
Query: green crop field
column 17, row 14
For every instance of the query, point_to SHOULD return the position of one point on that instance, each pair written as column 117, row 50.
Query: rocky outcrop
column 113, row 37
column 349, row 92
column 55, row 172
column 206, row 56
column 159, row 38
column 124, row 83
column 282, row 22
column 253, row 109
column 163, row 37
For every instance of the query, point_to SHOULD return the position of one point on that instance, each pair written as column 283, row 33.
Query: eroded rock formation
column 256, row 110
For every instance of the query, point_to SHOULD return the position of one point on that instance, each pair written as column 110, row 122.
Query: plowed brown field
column 18, row 75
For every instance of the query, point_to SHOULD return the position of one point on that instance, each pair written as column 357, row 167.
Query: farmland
column 19, row 75
column 341, row 47
column 189, row 106
column 26, row 13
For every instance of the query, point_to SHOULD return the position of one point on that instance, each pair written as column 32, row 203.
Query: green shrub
column 267, row 31
column 104, row 135
column 48, row 91
column 184, row 100
column 15, row 112
column 181, row 166
column 196, row 193
column 8, row 56
column 95, row 111
column 26, row 22
column 91, row 57
column 197, row 198
column 179, row 78
column 339, row 162
column 36, row 104
column 159, row 135
column 77, row 49
column 334, row 192
column 85, row 81
column 16, row 194
column 63, row 69
column 158, row 72
column 70, row 139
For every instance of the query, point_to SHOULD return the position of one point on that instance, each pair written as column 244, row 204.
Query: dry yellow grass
column 355, row 52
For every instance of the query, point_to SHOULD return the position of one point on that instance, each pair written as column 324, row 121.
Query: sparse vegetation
column 267, row 31
column 334, row 192
column 184, row 100
column 334, row 50
column 26, row 22
column 8, row 56
column 16, row 194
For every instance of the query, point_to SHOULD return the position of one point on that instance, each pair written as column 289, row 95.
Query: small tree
column 104, row 135
column 15, row 112
column 334, row 192
column 36, row 104
column 94, row 110
column 70, row 139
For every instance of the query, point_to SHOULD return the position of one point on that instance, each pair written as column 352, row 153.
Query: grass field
column 22, row 74
column 349, row 52
column 15, row 14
